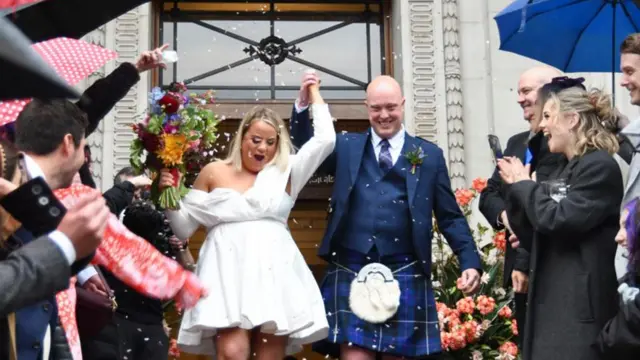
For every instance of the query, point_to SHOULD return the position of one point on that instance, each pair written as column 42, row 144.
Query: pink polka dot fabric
column 5, row 4
column 73, row 60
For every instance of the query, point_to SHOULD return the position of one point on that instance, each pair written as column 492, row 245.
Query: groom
column 387, row 186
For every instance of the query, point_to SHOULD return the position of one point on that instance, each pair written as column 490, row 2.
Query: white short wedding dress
column 251, row 266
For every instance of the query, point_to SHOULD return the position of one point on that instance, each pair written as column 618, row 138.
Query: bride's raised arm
column 318, row 148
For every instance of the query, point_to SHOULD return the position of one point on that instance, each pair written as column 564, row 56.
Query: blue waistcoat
column 32, row 321
column 379, row 213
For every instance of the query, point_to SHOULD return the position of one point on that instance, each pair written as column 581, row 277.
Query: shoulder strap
column 13, row 353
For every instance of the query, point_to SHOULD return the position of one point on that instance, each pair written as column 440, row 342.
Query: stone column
column 129, row 35
column 431, row 76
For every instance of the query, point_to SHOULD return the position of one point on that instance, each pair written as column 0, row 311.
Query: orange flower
column 458, row 339
column 500, row 240
column 172, row 149
column 452, row 319
column 505, row 312
column 509, row 348
column 514, row 327
column 466, row 305
column 478, row 184
column 471, row 330
column 464, row 196
column 442, row 308
column 486, row 304
column 445, row 340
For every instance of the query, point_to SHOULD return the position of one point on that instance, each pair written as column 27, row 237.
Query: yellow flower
column 172, row 149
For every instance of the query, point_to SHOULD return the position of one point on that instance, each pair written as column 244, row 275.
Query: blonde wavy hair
column 596, row 117
column 284, row 147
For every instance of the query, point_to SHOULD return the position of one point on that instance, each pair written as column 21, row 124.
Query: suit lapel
column 634, row 172
column 520, row 149
column 410, row 144
column 357, row 147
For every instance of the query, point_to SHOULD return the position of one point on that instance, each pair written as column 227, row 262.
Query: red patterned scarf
column 134, row 261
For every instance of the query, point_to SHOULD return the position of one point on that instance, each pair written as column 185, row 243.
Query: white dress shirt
column 396, row 142
column 59, row 238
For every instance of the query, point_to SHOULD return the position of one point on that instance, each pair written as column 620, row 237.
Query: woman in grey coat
column 572, row 291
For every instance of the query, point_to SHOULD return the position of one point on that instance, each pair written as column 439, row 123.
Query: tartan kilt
column 411, row 332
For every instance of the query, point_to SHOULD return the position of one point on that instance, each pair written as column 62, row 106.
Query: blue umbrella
column 571, row 35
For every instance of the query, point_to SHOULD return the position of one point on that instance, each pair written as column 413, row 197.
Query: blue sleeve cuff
column 65, row 245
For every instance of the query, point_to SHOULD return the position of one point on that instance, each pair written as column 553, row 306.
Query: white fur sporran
column 375, row 294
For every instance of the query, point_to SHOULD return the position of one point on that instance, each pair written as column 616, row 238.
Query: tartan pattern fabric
column 385, row 160
column 411, row 332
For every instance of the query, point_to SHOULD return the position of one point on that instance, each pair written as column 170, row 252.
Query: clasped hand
column 512, row 170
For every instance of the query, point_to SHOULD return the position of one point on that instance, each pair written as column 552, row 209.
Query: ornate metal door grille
column 272, row 50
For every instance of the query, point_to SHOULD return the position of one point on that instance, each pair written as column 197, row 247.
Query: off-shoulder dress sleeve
column 315, row 151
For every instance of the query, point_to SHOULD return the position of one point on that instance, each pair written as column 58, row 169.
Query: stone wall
column 129, row 35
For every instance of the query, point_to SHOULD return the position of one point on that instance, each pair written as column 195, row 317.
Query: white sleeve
column 65, row 245
column 86, row 274
column 315, row 151
column 182, row 224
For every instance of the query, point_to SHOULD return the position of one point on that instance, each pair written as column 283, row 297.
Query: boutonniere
column 415, row 158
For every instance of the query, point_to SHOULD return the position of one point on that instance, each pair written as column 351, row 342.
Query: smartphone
column 496, row 149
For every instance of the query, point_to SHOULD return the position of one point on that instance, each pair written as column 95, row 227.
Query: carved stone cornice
column 453, row 80
column 95, row 141
column 425, row 25
column 127, row 32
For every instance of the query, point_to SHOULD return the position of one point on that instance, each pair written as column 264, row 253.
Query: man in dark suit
column 387, row 186
column 492, row 201
column 50, row 135
column 41, row 268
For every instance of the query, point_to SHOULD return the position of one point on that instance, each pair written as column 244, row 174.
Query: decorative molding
column 423, row 67
column 435, row 82
column 95, row 141
column 453, row 81
column 127, row 32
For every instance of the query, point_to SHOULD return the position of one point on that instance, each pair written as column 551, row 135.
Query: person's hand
column 176, row 244
column 84, row 223
column 505, row 221
column 151, row 59
column 512, row 170
column 140, row 181
column 6, row 187
column 469, row 282
column 168, row 178
column 513, row 239
column 167, row 329
column 520, row 282
column 95, row 284
column 309, row 78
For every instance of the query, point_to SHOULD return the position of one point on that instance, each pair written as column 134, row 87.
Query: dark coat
column 620, row 338
column 96, row 101
column 492, row 204
column 572, row 291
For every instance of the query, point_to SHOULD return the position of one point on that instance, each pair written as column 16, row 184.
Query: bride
column 263, row 300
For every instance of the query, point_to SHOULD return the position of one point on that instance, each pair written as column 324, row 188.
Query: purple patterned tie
column 384, row 160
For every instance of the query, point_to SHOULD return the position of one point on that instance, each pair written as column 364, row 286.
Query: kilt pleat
column 411, row 332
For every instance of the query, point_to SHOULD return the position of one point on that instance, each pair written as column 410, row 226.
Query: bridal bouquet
column 177, row 130
column 482, row 326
